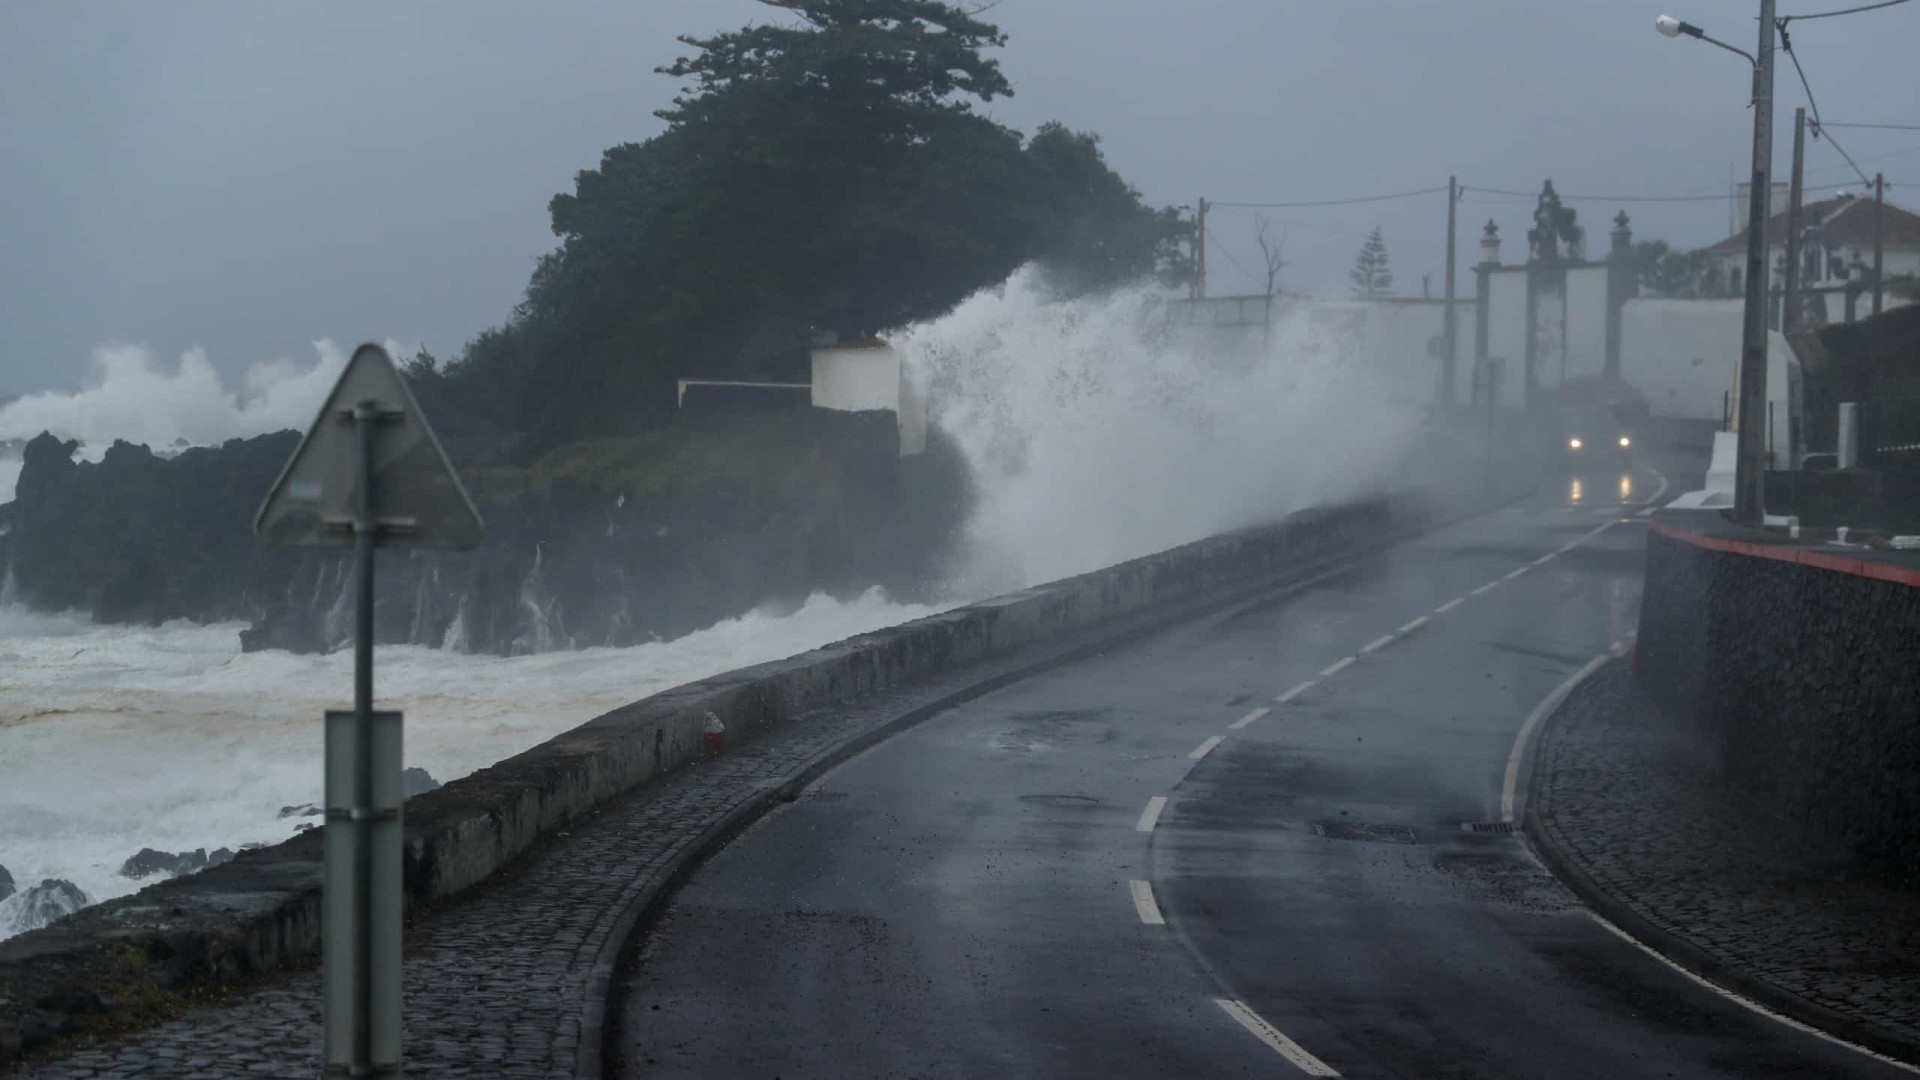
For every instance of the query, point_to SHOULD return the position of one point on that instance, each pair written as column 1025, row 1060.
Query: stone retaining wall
column 1801, row 667
column 262, row 910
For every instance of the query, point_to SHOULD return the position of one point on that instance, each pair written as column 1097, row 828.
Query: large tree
column 828, row 174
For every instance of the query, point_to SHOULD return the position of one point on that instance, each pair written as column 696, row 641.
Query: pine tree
column 1372, row 277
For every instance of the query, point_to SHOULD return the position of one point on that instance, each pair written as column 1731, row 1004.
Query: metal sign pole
column 366, row 417
column 370, row 433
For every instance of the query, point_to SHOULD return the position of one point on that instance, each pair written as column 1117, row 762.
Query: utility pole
column 1879, row 217
column 1750, row 463
column 1790, row 288
column 1448, row 323
column 1200, row 252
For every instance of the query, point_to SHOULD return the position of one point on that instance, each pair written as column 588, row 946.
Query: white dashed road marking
column 1206, row 748
column 1250, row 718
column 1295, row 692
column 1151, row 815
column 1143, row 903
column 1544, row 559
column 1414, row 625
column 1488, row 587
column 1514, row 573
column 1648, row 512
column 1378, row 643
column 1336, row 667
column 1272, row 1036
column 1450, row 605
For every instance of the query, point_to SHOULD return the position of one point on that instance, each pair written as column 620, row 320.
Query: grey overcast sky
column 249, row 176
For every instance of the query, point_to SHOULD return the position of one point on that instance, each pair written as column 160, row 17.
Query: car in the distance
column 1592, row 436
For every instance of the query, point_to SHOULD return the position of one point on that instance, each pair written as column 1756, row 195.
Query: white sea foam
column 114, row 738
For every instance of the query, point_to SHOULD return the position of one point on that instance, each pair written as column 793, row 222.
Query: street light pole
column 1749, row 467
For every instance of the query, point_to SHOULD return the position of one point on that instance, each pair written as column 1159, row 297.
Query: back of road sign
column 419, row 502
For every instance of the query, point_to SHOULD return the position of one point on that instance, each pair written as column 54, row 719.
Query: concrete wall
column 262, row 910
column 1798, row 668
column 865, row 376
column 1507, row 333
column 1587, row 321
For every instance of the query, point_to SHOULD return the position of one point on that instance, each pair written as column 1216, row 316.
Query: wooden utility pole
column 1790, row 287
column 1200, row 252
column 1448, row 324
column 1879, row 218
column 1750, row 456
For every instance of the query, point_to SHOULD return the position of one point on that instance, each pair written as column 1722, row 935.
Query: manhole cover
column 1357, row 830
column 1061, row 800
column 1492, row 828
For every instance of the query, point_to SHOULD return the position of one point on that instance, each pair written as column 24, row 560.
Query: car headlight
column 1624, row 441
column 1573, row 444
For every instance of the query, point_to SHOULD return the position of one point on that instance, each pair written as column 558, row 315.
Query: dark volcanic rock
column 6, row 883
column 612, row 542
column 418, row 782
column 148, row 862
column 48, row 901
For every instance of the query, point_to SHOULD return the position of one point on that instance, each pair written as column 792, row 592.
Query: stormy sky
column 250, row 176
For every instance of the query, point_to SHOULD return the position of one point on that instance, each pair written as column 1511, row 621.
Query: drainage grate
column 1493, row 828
column 1356, row 830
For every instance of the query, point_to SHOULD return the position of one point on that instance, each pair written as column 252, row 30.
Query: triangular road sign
column 418, row 501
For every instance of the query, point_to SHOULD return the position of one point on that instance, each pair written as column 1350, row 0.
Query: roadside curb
column 600, row 996
column 1682, row 952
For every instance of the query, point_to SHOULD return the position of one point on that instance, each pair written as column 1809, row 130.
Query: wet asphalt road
column 976, row 897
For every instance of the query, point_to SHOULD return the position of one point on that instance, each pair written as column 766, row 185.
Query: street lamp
column 1749, row 476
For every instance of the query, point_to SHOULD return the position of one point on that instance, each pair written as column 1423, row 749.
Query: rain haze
column 958, row 538
column 247, row 177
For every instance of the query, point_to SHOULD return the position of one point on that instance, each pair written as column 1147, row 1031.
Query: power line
column 1333, row 202
column 1605, row 198
column 1228, row 252
column 1849, row 11
column 1880, row 127
column 1843, row 153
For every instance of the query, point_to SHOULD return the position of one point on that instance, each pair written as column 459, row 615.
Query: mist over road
column 1233, row 848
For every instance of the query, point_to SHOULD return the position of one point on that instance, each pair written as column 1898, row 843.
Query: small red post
column 713, row 737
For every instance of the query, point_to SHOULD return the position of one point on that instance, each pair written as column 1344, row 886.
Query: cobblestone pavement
column 1633, row 804
column 496, row 981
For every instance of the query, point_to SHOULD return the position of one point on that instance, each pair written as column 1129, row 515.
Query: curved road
column 1232, row 849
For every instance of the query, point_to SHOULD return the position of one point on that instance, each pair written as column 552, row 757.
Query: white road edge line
column 1336, row 667
column 1414, row 625
column 1296, row 691
column 1206, row 748
column 1151, row 815
column 1545, row 559
column 1514, row 573
column 1250, row 718
column 1272, row 1036
column 1488, row 587
column 1378, row 643
column 1747, row 1002
column 1547, row 705
column 1659, row 491
column 1450, row 605
column 1143, row 902
column 1648, row 512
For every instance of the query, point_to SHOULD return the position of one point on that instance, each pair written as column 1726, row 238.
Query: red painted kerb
column 1901, row 575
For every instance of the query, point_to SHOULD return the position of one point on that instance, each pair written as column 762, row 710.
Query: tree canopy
column 827, row 174
column 1372, row 276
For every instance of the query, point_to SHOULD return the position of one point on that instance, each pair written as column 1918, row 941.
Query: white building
column 1836, row 251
